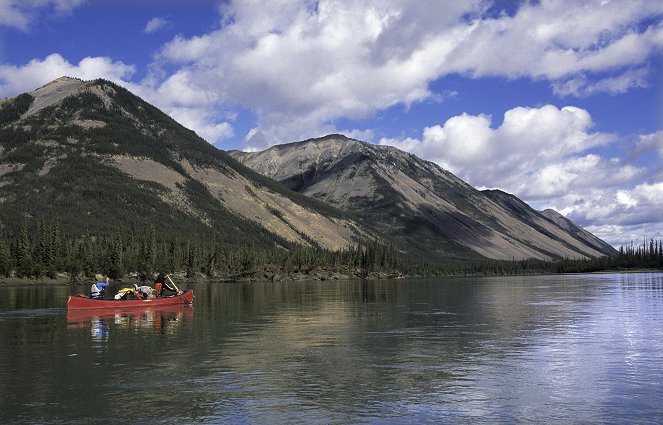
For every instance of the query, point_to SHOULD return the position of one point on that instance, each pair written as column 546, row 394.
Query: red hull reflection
column 160, row 319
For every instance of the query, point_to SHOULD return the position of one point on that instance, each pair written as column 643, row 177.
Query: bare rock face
column 424, row 209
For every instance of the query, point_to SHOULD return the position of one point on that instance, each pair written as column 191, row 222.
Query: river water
column 545, row 349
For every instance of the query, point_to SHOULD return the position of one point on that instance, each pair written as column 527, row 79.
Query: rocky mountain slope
column 98, row 157
column 422, row 208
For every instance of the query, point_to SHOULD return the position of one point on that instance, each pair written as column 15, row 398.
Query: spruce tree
column 24, row 261
column 116, row 266
column 5, row 260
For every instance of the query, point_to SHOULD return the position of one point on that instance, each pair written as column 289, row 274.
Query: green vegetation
column 39, row 248
column 12, row 110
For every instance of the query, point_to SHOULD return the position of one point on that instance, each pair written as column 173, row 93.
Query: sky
column 559, row 102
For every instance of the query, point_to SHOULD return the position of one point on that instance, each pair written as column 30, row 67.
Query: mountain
column 98, row 157
column 423, row 209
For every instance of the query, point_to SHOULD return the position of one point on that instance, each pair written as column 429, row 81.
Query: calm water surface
column 549, row 349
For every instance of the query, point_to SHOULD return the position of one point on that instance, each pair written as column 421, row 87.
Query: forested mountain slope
column 98, row 157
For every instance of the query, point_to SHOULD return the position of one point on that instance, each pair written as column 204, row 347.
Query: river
column 544, row 349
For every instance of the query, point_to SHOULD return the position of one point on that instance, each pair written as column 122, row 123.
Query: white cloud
column 203, row 122
column 155, row 24
column 651, row 144
column 302, row 64
column 555, row 40
column 581, row 86
column 21, row 13
column 535, row 152
column 37, row 72
column 622, row 215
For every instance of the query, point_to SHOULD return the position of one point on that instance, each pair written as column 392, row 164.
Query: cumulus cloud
column 651, row 145
column 535, row 152
column 37, row 72
column 21, row 13
column 155, row 24
column 302, row 64
column 203, row 122
column 622, row 216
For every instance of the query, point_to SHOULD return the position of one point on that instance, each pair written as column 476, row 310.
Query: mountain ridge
column 362, row 178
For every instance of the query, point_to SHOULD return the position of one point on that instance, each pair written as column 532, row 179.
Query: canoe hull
column 84, row 303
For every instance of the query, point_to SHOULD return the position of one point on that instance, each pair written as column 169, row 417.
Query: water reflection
column 545, row 349
column 32, row 296
column 161, row 320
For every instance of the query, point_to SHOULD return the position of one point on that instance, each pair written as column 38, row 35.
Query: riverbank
column 267, row 274
column 16, row 281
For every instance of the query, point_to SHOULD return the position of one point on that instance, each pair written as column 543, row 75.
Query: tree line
column 43, row 250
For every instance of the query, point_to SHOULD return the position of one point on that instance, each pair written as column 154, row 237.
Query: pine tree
column 24, row 261
column 149, row 250
column 85, row 256
column 5, row 260
column 40, row 253
column 116, row 266
column 173, row 262
column 55, row 249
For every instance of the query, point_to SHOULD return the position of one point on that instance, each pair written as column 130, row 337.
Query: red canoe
column 80, row 302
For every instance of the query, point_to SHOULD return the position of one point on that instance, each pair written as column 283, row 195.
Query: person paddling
column 165, row 287
column 97, row 288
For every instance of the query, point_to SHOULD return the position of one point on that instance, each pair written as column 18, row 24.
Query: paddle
column 173, row 283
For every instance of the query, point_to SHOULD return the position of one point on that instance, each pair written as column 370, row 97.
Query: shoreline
column 259, row 277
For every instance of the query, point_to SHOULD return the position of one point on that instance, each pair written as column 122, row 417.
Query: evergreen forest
column 39, row 249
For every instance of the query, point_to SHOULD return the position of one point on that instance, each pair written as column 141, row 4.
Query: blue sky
column 559, row 102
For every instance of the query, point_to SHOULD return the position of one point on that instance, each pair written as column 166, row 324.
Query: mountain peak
column 53, row 92
column 338, row 140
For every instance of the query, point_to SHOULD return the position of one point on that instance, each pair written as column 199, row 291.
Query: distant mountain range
column 99, row 158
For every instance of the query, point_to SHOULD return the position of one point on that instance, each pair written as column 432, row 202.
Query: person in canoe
column 97, row 288
column 164, row 286
column 146, row 292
